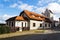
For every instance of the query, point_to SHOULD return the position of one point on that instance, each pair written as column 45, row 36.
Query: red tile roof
column 30, row 15
column 19, row 18
column 33, row 15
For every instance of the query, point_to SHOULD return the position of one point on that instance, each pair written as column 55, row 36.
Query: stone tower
column 48, row 13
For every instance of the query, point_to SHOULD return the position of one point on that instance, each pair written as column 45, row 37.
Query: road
column 36, row 36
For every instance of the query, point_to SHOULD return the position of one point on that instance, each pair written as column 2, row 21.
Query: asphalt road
column 53, row 36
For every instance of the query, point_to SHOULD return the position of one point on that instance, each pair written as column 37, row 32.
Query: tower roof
column 49, row 10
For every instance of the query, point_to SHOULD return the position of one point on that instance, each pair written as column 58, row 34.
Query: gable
column 24, row 15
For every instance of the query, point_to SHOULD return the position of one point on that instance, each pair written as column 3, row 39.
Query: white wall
column 47, row 25
column 19, row 23
column 51, row 16
column 37, row 24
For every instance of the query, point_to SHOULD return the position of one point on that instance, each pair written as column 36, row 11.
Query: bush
column 4, row 29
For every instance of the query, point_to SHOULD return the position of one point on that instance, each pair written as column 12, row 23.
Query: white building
column 28, row 21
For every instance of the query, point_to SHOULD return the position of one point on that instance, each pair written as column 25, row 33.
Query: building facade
column 48, row 13
column 29, row 21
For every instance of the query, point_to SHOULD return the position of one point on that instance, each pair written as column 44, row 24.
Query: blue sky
column 9, row 8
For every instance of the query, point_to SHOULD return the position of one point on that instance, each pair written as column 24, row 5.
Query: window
column 22, row 24
column 33, row 24
column 12, row 23
column 45, row 25
column 25, row 24
column 49, row 25
column 40, row 25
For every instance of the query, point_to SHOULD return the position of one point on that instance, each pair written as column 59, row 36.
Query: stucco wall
column 19, row 23
column 47, row 25
column 37, row 24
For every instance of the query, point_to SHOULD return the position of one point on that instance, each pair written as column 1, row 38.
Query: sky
column 10, row 8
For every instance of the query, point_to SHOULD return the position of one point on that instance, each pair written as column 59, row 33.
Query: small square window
column 49, row 25
column 45, row 25
column 40, row 25
column 33, row 24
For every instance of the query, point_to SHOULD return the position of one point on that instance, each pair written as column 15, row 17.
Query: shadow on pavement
column 54, row 36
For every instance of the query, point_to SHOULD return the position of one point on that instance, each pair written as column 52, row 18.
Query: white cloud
column 22, row 6
column 43, row 2
column 56, row 18
column 58, row 1
column 39, row 10
column 2, row 21
column 25, row 7
column 5, row 17
column 13, row 5
column 20, row 2
column 55, row 7
column 39, row 3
